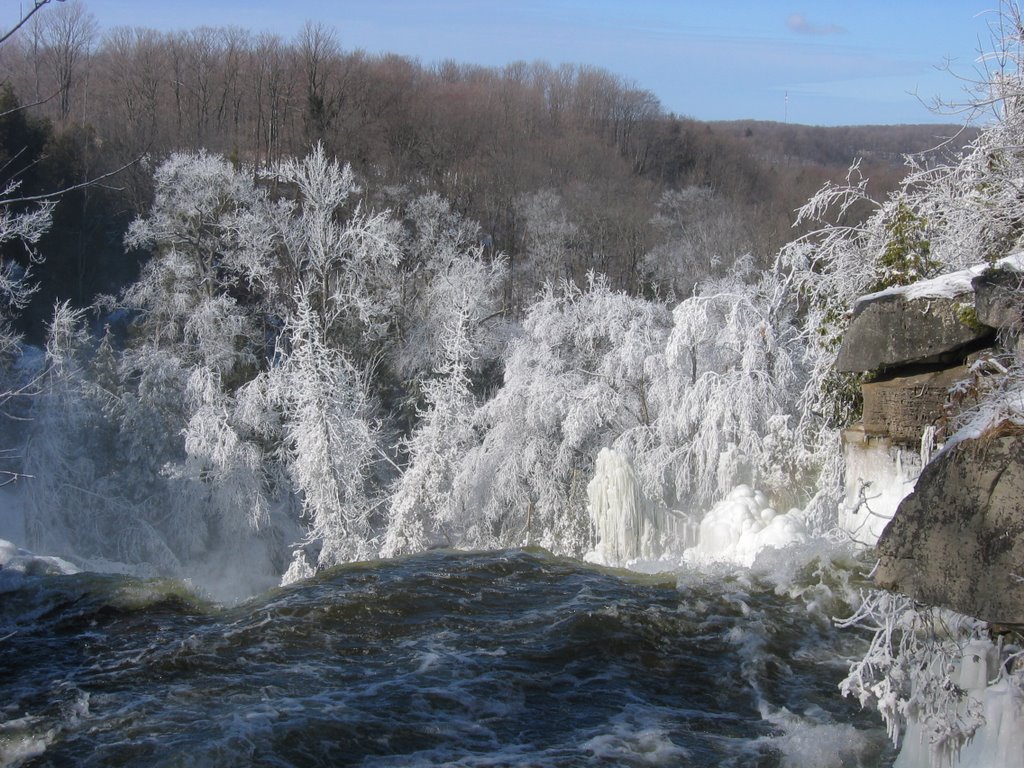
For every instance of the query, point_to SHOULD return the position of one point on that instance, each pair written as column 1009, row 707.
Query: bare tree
column 23, row 19
column 134, row 66
column 68, row 34
column 318, row 50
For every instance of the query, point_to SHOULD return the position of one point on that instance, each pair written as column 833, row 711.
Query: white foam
column 740, row 526
column 807, row 742
column 635, row 736
column 24, row 738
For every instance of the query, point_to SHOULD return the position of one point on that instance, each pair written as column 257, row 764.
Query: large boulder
column 997, row 298
column 934, row 322
column 958, row 539
column 896, row 328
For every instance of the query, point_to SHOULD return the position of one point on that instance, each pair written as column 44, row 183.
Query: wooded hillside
column 569, row 159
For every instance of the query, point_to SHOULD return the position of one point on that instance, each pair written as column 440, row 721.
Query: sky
column 819, row 63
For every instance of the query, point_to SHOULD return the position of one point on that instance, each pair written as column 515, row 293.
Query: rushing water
column 475, row 659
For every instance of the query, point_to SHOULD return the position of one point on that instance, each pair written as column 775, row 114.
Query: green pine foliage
column 906, row 256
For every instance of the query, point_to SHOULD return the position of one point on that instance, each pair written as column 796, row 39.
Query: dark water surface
column 476, row 659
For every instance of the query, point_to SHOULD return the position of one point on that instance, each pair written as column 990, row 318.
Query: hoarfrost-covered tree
column 345, row 264
column 192, row 331
column 237, row 408
column 575, row 381
column 451, row 326
column 424, row 509
column 196, row 196
column 25, row 226
column 728, row 392
column 446, row 281
column 548, row 240
column 16, row 287
column 951, row 211
column 167, row 470
column 330, row 441
column 89, row 485
column 222, row 470
column 702, row 235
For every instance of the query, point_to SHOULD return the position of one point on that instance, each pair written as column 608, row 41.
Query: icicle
column 628, row 525
column 927, row 444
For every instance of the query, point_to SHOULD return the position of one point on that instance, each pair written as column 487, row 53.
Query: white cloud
column 798, row 23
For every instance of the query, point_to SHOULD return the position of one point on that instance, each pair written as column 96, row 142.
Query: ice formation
column 14, row 558
column 635, row 532
column 989, row 691
column 878, row 478
column 741, row 525
column 629, row 526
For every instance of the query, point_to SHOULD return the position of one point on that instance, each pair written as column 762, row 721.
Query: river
column 507, row 658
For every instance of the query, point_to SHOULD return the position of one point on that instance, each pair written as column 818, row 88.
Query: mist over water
column 512, row 657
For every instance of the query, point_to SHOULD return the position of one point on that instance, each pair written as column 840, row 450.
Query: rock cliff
column 957, row 540
column 894, row 329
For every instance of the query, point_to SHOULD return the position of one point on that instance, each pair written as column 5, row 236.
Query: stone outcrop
column 918, row 340
column 891, row 329
column 958, row 539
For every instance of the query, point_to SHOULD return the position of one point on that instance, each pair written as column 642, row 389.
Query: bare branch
column 88, row 183
column 24, row 19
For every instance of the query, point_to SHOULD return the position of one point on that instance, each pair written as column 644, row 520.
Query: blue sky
column 839, row 62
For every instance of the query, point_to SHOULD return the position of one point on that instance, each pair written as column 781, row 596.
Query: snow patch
column 17, row 560
column 948, row 286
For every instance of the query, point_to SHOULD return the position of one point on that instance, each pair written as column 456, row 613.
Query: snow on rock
column 741, row 525
column 925, row 322
column 948, row 286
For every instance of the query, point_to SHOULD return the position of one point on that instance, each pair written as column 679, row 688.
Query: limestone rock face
column 958, row 539
column 890, row 329
column 900, row 407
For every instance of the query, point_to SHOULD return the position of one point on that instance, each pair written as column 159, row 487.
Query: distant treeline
column 530, row 151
